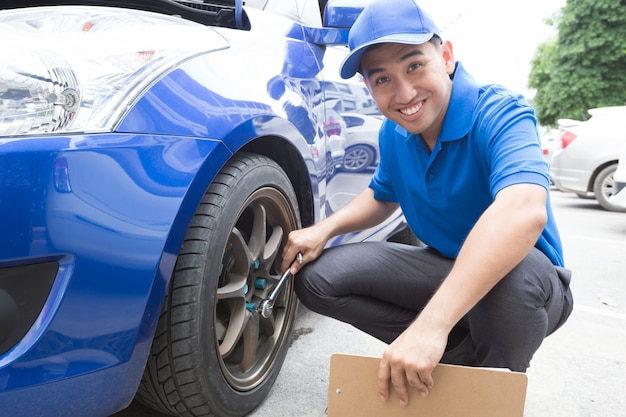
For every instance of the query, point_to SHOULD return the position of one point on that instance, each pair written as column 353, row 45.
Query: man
column 464, row 163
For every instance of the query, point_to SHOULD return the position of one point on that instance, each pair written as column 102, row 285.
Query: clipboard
column 459, row 391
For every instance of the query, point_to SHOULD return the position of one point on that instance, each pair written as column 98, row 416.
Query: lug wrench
column 267, row 305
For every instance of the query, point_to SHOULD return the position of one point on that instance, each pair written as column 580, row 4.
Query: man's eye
column 381, row 80
column 414, row 66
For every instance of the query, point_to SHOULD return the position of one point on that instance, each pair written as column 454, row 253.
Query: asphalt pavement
column 580, row 371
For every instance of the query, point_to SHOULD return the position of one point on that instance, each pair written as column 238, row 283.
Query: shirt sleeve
column 513, row 143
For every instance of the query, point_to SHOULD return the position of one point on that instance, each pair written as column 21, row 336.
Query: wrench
column 267, row 305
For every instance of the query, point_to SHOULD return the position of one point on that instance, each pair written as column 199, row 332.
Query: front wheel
column 603, row 188
column 213, row 354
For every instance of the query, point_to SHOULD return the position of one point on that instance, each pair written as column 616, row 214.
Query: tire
column 603, row 188
column 213, row 354
column 358, row 158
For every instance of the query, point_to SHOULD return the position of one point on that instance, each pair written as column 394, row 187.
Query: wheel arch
column 290, row 159
column 594, row 174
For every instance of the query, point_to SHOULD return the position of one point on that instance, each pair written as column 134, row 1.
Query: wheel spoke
column 231, row 296
column 272, row 246
column 239, row 318
column 250, row 342
column 257, row 236
column 268, row 325
column 237, row 272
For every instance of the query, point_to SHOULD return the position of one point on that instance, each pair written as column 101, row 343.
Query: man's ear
column 366, row 84
column 448, row 56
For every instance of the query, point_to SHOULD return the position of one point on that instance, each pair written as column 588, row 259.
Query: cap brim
column 351, row 63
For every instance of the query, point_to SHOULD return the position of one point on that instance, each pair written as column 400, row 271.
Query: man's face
column 411, row 84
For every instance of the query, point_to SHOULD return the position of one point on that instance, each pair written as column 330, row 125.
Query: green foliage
column 585, row 66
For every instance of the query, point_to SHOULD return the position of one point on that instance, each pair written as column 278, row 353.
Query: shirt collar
column 456, row 124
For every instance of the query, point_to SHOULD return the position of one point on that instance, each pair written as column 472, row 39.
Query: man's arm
column 361, row 213
column 503, row 236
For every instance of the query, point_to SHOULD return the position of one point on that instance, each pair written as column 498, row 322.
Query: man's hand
column 361, row 213
column 411, row 359
column 309, row 242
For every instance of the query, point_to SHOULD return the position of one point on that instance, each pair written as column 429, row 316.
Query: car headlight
column 38, row 93
column 78, row 69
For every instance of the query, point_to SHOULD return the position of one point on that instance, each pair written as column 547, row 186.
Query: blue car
column 154, row 156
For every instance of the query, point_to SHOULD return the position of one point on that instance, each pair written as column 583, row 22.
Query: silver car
column 361, row 141
column 588, row 158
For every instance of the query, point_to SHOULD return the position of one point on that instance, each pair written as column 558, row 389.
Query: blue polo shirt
column 489, row 140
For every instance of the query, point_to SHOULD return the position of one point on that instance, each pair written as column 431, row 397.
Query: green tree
column 585, row 65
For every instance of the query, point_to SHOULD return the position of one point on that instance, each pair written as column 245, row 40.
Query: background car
column 154, row 156
column 361, row 141
column 588, row 156
column 335, row 131
column 549, row 142
column 551, row 138
column 618, row 198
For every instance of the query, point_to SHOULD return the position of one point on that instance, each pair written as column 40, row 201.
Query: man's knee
column 528, row 285
column 305, row 286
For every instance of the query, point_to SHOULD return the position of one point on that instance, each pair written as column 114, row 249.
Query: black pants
column 380, row 288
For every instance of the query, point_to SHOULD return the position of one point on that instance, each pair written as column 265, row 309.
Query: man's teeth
column 411, row 110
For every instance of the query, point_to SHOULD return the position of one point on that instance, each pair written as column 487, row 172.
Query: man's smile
column 409, row 111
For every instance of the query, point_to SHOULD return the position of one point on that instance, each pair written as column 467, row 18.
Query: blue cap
column 386, row 21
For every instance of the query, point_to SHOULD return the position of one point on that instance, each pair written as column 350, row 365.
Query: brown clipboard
column 459, row 391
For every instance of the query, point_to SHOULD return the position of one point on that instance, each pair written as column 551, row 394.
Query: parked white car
column 361, row 141
column 588, row 158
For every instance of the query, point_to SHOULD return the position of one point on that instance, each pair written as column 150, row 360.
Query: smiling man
column 464, row 163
